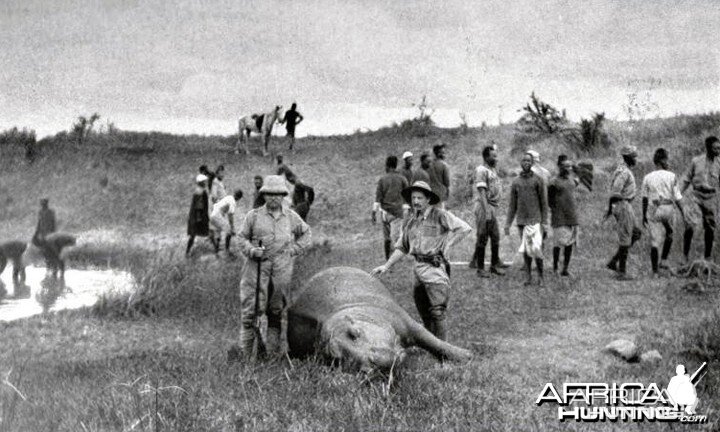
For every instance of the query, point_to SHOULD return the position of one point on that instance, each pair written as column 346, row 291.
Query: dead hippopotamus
column 350, row 317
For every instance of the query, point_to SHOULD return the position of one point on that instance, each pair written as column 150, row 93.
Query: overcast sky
column 196, row 66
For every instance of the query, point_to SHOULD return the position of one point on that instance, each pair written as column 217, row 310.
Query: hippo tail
column 440, row 349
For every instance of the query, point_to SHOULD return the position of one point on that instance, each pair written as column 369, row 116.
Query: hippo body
column 349, row 316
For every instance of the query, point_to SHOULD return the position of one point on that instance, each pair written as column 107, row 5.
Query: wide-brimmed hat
column 274, row 184
column 407, row 154
column 422, row 187
column 535, row 155
column 628, row 150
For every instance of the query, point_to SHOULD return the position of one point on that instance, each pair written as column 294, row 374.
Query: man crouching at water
column 428, row 235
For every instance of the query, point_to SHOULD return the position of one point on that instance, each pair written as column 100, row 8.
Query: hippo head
column 361, row 342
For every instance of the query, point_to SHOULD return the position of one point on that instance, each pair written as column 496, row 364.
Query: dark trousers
column 488, row 229
column 708, row 223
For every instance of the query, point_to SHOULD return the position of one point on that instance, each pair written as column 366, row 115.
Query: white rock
column 623, row 348
column 650, row 356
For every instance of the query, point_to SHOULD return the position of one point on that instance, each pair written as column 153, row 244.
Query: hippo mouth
column 362, row 345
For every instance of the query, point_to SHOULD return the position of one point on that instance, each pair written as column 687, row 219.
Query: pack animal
column 352, row 319
column 262, row 124
column 12, row 251
column 53, row 250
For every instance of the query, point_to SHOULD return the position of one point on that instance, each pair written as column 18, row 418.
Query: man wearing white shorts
column 222, row 219
column 660, row 194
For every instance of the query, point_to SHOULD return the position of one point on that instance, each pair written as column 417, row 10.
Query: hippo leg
column 440, row 349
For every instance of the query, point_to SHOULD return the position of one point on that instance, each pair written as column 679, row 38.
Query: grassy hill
column 127, row 194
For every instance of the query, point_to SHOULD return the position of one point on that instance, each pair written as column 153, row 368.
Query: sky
column 195, row 66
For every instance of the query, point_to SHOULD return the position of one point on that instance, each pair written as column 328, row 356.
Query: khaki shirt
column 286, row 233
column 703, row 173
column 428, row 234
column 623, row 183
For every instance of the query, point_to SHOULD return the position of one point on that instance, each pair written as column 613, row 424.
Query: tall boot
column 272, row 343
column 388, row 249
column 438, row 329
column 709, row 239
column 556, row 258
column 687, row 243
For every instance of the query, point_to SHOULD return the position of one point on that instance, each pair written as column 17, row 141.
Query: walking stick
column 258, row 340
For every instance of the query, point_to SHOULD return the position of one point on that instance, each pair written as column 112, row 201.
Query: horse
column 259, row 123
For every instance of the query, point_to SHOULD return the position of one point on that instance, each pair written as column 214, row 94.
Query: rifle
column 259, row 339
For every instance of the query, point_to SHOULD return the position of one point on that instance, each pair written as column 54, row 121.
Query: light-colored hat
column 274, row 184
column 406, row 155
column 422, row 187
column 628, row 150
column 201, row 178
column 535, row 155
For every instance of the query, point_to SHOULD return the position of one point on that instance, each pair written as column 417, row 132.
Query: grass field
column 159, row 362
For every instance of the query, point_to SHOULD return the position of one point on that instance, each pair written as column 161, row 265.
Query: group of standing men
column 390, row 206
column 661, row 193
column 411, row 206
column 534, row 196
column 212, row 209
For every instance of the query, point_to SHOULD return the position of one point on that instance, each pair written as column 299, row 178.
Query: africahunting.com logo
column 637, row 402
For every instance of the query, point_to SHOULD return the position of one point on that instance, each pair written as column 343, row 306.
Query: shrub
column 24, row 139
column 541, row 117
column 589, row 136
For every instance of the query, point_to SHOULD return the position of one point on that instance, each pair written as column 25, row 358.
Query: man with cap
column 622, row 193
column 660, row 194
column 407, row 170
column 703, row 175
column 389, row 203
column 258, row 198
column 199, row 217
column 439, row 173
column 487, row 184
column 46, row 223
column 222, row 219
column 274, row 236
column 428, row 235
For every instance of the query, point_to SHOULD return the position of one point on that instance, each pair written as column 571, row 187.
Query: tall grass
column 156, row 360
